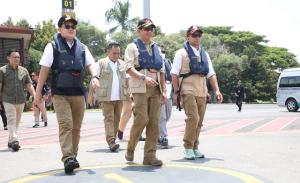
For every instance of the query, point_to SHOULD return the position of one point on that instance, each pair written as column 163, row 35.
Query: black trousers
column 3, row 115
column 239, row 103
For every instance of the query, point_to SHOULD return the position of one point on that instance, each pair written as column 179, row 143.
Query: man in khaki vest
column 112, row 92
column 191, row 68
column 144, row 64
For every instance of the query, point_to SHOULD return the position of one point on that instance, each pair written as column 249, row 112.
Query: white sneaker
column 198, row 154
column 189, row 154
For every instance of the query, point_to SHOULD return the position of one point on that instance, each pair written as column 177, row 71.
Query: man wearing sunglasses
column 67, row 58
column 144, row 64
column 191, row 68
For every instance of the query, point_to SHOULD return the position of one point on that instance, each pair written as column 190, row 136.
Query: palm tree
column 120, row 13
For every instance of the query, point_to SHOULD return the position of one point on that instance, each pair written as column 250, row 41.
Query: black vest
column 147, row 61
column 197, row 67
column 68, row 67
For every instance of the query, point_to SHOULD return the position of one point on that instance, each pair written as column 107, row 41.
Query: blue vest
column 168, row 70
column 197, row 67
column 147, row 61
column 68, row 67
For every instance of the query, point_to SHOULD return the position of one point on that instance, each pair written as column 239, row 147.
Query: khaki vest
column 194, row 84
column 106, row 78
column 137, row 85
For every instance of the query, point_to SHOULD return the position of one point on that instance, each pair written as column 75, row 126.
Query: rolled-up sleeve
column 177, row 62
column 89, row 59
column 131, row 54
column 47, row 58
column 211, row 70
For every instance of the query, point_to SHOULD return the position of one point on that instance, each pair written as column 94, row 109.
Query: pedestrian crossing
column 96, row 132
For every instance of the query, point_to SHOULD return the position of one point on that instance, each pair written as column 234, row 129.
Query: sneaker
column 129, row 156
column 35, row 125
column 69, row 165
column 198, row 154
column 45, row 123
column 114, row 147
column 15, row 145
column 189, row 154
column 142, row 138
column 5, row 128
column 152, row 161
column 164, row 143
column 76, row 163
column 9, row 144
column 120, row 135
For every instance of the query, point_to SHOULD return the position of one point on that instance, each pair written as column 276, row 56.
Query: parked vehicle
column 288, row 89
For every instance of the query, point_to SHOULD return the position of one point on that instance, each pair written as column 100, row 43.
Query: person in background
column 239, row 92
column 13, row 80
column 39, row 109
column 3, row 115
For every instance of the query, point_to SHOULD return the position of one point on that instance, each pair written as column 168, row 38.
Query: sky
column 278, row 20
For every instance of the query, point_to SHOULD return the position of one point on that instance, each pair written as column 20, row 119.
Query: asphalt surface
column 260, row 144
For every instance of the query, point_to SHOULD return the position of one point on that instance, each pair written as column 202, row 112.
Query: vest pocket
column 135, row 83
column 69, row 80
column 102, row 92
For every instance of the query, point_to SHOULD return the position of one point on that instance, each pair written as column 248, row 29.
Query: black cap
column 193, row 29
column 146, row 22
column 66, row 18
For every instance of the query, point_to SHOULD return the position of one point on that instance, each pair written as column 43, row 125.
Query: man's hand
column 37, row 98
column 150, row 82
column 94, row 83
column 219, row 97
column 164, row 97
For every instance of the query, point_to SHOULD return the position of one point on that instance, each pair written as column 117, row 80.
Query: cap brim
column 146, row 25
column 71, row 20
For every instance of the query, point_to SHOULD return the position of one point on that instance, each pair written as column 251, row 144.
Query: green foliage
column 34, row 59
column 228, row 68
column 23, row 23
column 119, row 13
column 43, row 35
column 279, row 58
column 93, row 38
column 8, row 22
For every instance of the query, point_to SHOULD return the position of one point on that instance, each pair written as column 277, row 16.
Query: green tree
column 23, row 23
column 119, row 13
column 93, row 38
column 8, row 22
column 43, row 35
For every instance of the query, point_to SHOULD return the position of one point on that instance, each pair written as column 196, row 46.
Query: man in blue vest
column 143, row 62
column 191, row 68
column 67, row 58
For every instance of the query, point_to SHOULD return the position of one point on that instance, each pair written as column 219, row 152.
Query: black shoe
column 114, row 147
column 76, row 163
column 5, row 128
column 15, row 146
column 142, row 138
column 9, row 144
column 120, row 135
column 45, row 123
column 69, row 165
column 164, row 143
column 35, row 125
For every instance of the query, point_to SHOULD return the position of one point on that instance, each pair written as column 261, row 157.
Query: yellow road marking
column 117, row 177
column 242, row 176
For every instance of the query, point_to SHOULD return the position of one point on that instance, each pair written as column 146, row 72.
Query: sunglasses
column 196, row 35
column 148, row 28
column 68, row 26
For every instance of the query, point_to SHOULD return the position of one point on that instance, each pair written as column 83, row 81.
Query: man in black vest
column 239, row 92
column 67, row 58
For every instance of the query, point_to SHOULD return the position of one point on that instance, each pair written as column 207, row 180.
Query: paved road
column 261, row 141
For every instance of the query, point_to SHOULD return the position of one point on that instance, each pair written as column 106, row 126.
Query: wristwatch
column 143, row 77
column 96, row 77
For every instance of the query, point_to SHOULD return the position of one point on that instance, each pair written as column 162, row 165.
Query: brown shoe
column 114, row 147
column 152, row 161
column 129, row 156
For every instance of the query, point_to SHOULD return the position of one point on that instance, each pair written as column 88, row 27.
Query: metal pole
column 146, row 8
